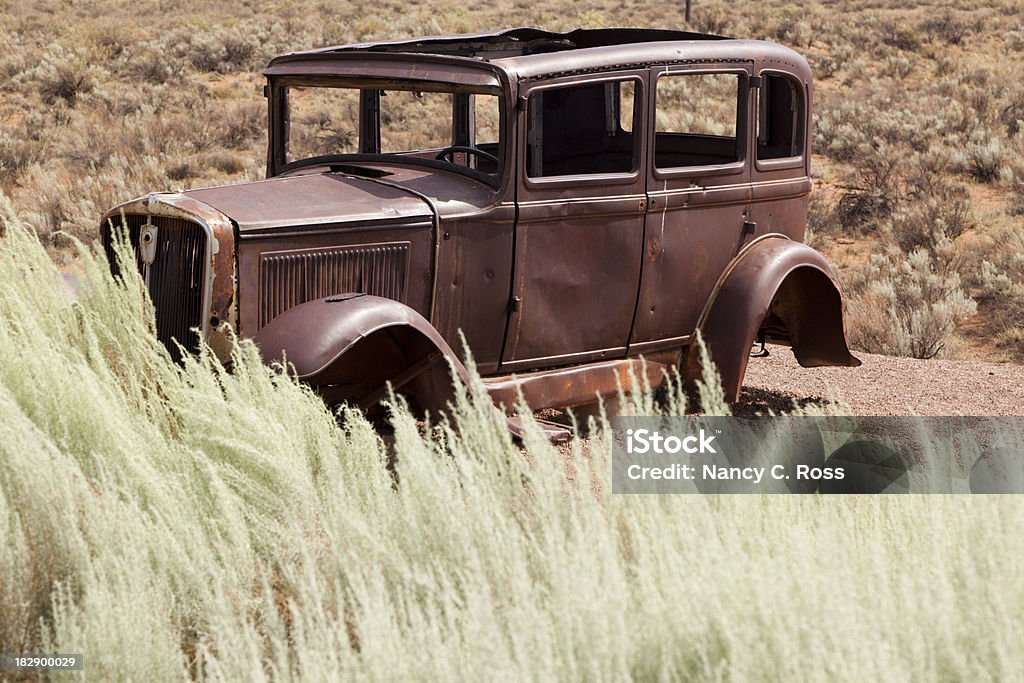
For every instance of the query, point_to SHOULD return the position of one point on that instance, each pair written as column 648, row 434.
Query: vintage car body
column 584, row 237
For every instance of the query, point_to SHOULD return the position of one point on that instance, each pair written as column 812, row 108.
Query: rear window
column 780, row 119
column 696, row 120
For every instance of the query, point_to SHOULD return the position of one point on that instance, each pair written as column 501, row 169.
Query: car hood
column 328, row 198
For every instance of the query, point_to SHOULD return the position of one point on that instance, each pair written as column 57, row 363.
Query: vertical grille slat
column 177, row 277
column 288, row 279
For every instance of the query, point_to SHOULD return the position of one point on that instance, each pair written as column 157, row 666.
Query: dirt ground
column 885, row 385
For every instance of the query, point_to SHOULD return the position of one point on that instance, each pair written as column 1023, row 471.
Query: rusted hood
column 310, row 200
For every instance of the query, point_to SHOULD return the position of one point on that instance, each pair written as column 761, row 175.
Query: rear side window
column 780, row 118
column 582, row 129
column 696, row 120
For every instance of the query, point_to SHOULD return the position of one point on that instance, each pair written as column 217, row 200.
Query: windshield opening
column 410, row 119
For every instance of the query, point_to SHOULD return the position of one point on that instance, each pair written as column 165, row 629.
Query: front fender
column 784, row 289
column 349, row 346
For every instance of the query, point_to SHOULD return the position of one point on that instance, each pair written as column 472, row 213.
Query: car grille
column 288, row 279
column 177, row 277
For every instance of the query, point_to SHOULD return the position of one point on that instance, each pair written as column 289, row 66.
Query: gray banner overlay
column 818, row 454
column 37, row 662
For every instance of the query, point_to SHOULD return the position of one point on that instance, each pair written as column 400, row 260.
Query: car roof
column 526, row 53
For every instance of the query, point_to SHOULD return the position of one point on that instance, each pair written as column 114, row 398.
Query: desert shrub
column 217, row 49
column 1012, row 116
column 982, row 158
column 897, row 66
column 946, row 28
column 73, row 203
column 63, row 75
column 873, row 190
column 907, row 305
column 1016, row 204
column 996, row 277
column 857, row 127
column 1014, row 39
column 151, row 64
column 242, row 124
column 225, row 162
column 821, row 215
column 926, row 220
column 901, row 37
column 16, row 153
column 714, row 20
column 791, row 27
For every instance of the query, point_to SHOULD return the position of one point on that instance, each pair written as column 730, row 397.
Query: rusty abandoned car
column 570, row 202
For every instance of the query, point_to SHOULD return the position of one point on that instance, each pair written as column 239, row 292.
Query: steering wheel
column 466, row 150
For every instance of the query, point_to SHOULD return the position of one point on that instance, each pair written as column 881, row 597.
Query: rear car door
column 581, row 206
column 699, row 192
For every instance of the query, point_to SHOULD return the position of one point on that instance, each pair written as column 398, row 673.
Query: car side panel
column 474, row 272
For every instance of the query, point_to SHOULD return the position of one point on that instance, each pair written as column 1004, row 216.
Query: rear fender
column 349, row 346
column 786, row 291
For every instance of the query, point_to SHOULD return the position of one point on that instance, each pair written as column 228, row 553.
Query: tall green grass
column 186, row 522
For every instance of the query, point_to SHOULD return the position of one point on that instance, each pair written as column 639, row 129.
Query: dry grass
column 186, row 523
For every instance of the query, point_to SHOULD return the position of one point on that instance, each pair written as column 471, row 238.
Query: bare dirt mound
column 885, row 385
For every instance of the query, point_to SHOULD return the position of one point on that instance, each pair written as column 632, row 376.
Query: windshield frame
column 279, row 129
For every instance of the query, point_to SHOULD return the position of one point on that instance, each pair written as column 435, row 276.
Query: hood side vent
column 290, row 278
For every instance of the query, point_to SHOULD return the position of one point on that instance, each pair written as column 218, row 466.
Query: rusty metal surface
column 316, row 334
column 255, row 263
column 220, row 307
column 427, row 68
column 475, row 255
column 580, row 384
column 785, row 285
column 517, row 39
column 578, row 245
column 290, row 278
column 350, row 346
column 543, row 53
column 310, row 200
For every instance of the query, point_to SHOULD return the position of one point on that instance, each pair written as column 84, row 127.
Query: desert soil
column 885, row 385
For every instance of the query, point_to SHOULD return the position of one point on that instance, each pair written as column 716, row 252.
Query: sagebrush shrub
column 982, row 158
column 908, row 305
column 996, row 277
column 947, row 28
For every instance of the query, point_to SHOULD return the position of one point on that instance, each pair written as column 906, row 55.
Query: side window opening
column 696, row 120
column 780, row 119
column 583, row 129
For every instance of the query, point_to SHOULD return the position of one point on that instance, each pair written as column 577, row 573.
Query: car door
column 579, row 231
column 699, row 191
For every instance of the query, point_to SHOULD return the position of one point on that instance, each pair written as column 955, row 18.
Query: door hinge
column 266, row 91
column 513, row 304
column 755, row 81
column 749, row 227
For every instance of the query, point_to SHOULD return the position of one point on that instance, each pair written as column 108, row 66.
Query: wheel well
column 398, row 354
column 806, row 313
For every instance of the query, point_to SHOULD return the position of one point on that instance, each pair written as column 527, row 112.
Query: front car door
column 579, row 233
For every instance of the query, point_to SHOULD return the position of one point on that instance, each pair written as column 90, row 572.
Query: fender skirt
column 781, row 291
